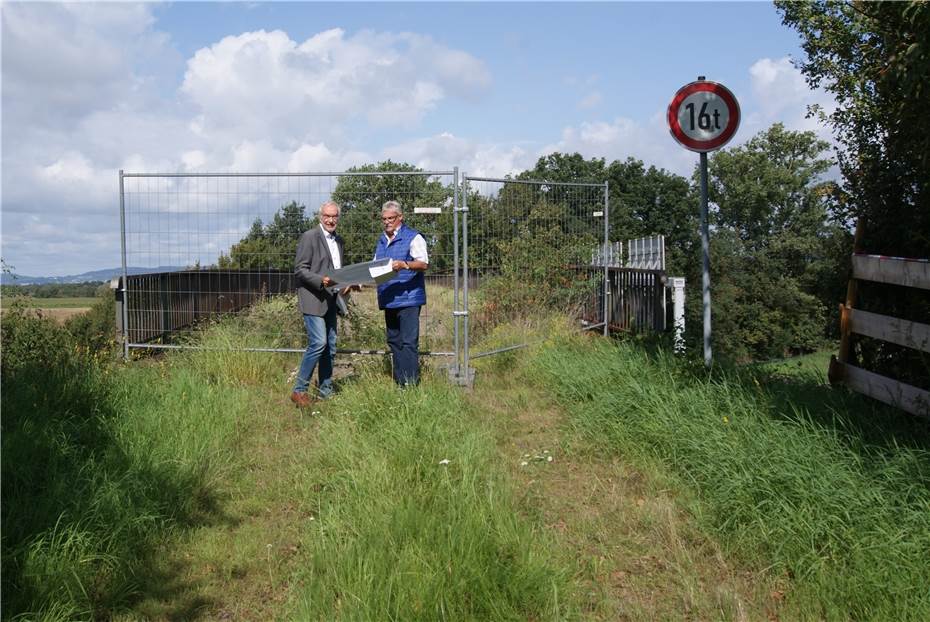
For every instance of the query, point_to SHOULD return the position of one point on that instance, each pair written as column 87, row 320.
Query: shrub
column 95, row 330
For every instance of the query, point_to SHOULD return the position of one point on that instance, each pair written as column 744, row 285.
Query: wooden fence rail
column 897, row 271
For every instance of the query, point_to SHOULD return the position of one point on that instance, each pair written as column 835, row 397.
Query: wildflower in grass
column 524, row 463
column 444, row 462
column 726, row 419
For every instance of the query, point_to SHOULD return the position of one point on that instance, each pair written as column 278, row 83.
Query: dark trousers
column 403, row 337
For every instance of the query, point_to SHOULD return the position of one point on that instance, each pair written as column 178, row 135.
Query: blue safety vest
column 408, row 288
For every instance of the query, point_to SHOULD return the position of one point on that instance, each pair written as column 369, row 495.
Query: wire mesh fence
column 217, row 245
column 219, row 249
column 528, row 250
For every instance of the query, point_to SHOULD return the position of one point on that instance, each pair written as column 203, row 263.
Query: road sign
column 703, row 116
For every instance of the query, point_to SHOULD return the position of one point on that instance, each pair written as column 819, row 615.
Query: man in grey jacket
column 319, row 252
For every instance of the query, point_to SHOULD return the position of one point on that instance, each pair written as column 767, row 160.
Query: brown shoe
column 301, row 399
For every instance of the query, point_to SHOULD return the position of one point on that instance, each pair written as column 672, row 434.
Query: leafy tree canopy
column 771, row 238
column 874, row 58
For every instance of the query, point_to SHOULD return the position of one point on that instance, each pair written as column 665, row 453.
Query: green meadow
column 582, row 478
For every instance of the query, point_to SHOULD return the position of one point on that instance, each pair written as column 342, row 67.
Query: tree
column 771, row 230
column 361, row 198
column 645, row 202
column 874, row 58
column 642, row 202
column 272, row 246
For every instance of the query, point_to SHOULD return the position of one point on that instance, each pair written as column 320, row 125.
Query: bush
column 98, row 463
column 95, row 330
column 32, row 344
column 538, row 273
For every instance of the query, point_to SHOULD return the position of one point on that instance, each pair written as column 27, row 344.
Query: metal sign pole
column 705, row 252
column 703, row 116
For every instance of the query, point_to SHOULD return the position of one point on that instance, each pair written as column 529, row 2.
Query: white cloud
column 780, row 93
column 592, row 100
column 262, row 81
column 319, row 157
column 442, row 151
column 62, row 61
column 87, row 91
column 622, row 138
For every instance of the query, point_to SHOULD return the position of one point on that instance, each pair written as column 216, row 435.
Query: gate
column 218, row 248
column 212, row 245
column 527, row 249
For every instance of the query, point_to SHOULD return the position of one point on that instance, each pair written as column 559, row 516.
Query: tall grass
column 398, row 533
column 100, row 462
column 808, row 488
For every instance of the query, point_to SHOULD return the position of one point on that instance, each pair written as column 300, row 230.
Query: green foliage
column 32, row 343
column 98, row 464
column 874, row 58
column 820, row 489
column 771, row 247
column 759, row 312
column 642, row 201
column 272, row 246
column 361, row 198
column 95, row 330
column 538, row 272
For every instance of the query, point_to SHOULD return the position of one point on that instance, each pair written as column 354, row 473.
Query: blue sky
column 89, row 89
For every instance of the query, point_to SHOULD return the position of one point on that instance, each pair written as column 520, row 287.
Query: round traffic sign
column 703, row 116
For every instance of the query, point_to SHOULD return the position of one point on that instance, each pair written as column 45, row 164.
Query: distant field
column 59, row 309
column 54, row 303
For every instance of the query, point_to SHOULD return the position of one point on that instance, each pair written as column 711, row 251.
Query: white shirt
column 417, row 247
column 333, row 248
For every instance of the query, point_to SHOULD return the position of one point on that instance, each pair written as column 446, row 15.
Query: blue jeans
column 403, row 337
column 321, row 348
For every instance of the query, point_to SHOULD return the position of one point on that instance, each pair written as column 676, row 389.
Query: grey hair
column 392, row 206
column 334, row 204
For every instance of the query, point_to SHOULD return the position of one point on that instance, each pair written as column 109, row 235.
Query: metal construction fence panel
column 218, row 249
column 527, row 249
column 214, row 244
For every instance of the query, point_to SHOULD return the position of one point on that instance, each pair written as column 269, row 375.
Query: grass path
column 238, row 567
column 635, row 549
column 623, row 534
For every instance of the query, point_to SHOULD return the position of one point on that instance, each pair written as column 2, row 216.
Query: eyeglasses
column 389, row 218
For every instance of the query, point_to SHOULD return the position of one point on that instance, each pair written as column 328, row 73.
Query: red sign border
column 706, row 145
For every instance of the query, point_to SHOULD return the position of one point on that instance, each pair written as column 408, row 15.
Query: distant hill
column 95, row 276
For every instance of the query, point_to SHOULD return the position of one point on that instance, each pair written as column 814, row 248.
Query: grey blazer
column 312, row 263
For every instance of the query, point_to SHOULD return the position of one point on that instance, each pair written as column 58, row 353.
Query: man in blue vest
column 402, row 296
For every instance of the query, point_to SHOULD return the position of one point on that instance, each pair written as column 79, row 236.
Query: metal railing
column 636, row 303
